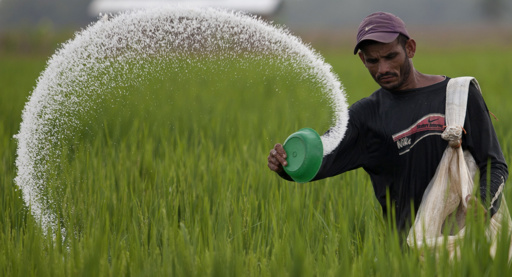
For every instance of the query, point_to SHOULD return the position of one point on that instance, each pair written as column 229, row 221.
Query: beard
column 405, row 72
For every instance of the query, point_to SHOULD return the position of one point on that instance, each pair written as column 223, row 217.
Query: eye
column 391, row 56
column 372, row 61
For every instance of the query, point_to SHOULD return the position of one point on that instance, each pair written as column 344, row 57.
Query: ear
column 361, row 56
column 410, row 48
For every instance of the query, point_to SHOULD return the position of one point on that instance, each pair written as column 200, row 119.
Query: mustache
column 387, row 74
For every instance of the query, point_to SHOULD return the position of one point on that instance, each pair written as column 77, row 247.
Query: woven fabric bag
column 444, row 202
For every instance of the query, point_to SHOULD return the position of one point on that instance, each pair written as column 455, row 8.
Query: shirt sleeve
column 481, row 140
column 350, row 153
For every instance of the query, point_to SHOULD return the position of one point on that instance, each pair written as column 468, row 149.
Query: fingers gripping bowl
column 304, row 151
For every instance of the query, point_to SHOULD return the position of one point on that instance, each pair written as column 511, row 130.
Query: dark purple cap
column 380, row 26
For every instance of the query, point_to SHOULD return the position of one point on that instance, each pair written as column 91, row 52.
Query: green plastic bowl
column 304, row 150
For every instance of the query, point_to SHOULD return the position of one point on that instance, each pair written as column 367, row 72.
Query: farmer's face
column 389, row 63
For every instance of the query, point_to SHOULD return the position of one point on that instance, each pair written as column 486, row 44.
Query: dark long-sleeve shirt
column 396, row 138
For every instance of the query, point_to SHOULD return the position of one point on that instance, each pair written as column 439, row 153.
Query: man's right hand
column 277, row 158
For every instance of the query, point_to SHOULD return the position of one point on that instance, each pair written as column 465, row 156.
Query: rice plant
column 172, row 180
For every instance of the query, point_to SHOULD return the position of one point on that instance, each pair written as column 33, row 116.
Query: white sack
column 445, row 196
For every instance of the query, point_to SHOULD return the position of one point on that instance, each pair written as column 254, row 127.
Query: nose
column 383, row 67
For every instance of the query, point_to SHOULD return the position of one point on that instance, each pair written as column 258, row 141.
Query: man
column 395, row 134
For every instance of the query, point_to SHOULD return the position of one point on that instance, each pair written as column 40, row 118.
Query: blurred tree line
column 38, row 27
column 74, row 13
column 495, row 9
column 60, row 13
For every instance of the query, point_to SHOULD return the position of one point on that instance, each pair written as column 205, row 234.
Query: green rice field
column 173, row 180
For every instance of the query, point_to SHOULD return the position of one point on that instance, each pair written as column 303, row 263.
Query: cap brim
column 379, row 37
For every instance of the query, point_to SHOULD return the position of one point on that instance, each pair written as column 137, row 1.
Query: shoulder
column 475, row 97
column 369, row 103
column 474, row 88
column 474, row 91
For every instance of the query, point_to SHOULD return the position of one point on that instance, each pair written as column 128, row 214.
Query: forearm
column 491, row 194
column 482, row 142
